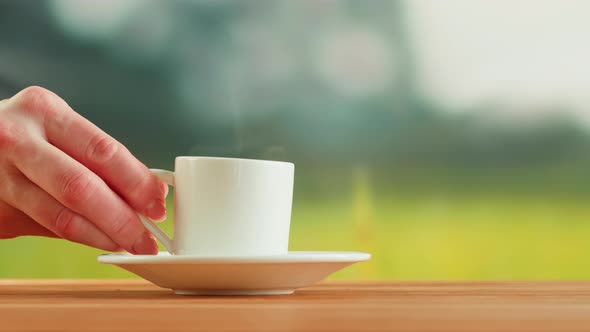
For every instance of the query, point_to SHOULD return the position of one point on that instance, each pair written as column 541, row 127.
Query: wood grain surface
column 135, row 305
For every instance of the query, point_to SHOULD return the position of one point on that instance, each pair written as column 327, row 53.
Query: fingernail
column 145, row 245
column 164, row 189
column 156, row 210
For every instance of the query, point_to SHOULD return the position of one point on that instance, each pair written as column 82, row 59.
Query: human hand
column 61, row 176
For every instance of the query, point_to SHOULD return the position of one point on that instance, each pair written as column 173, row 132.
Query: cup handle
column 168, row 178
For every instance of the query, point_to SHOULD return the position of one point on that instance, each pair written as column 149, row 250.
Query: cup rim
column 247, row 160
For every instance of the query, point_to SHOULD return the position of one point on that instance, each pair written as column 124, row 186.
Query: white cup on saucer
column 228, row 207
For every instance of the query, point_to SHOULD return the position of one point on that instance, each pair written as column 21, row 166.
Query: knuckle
column 8, row 137
column 36, row 100
column 77, row 187
column 8, row 189
column 65, row 224
column 102, row 149
column 139, row 192
column 124, row 228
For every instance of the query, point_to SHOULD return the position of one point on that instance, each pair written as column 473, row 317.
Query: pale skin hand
column 61, row 176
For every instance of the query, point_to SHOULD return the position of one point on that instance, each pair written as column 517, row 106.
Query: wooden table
column 134, row 305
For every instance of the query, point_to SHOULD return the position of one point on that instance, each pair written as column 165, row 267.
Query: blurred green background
column 450, row 140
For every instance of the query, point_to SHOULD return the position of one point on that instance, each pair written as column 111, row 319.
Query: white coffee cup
column 228, row 207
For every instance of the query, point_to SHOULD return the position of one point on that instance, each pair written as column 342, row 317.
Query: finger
column 83, row 192
column 14, row 223
column 40, row 206
column 102, row 154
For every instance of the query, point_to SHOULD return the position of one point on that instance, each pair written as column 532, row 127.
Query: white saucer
column 259, row 275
